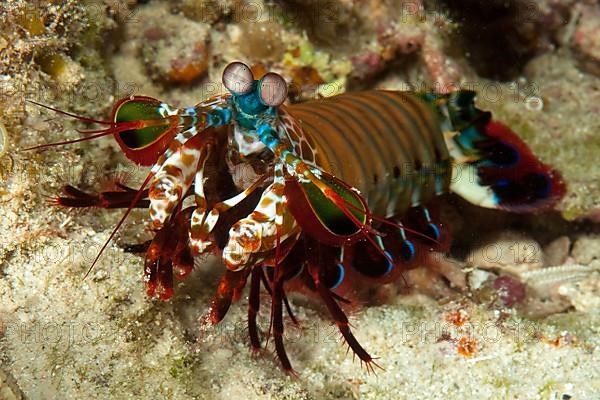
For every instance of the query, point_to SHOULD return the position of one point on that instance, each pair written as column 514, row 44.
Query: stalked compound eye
column 238, row 78
column 272, row 89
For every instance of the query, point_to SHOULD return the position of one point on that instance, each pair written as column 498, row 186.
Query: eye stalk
column 238, row 78
column 272, row 90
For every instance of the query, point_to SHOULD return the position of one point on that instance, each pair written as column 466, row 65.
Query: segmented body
column 321, row 197
column 388, row 145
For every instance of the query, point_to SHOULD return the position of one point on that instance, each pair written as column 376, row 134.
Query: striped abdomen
column 386, row 144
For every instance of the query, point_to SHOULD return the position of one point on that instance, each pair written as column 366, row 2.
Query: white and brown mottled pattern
column 175, row 170
column 182, row 164
column 197, row 114
column 203, row 222
column 172, row 181
column 199, row 240
column 290, row 129
column 247, row 144
column 253, row 238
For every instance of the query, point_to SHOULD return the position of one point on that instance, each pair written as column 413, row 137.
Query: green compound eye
column 237, row 78
column 272, row 89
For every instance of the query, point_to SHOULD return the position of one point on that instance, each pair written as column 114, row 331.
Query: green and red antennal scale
column 321, row 217
column 138, row 125
column 154, row 131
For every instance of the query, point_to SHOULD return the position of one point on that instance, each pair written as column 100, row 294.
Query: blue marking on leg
column 410, row 250
column 342, row 273
column 389, row 260
column 435, row 230
column 388, row 257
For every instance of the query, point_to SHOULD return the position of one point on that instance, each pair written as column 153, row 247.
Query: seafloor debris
column 510, row 290
column 542, row 291
column 514, row 269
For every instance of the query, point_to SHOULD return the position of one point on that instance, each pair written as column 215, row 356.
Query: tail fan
column 493, row 167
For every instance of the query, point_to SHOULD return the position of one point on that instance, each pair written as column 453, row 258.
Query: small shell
column 511, row 290
column 534, row 103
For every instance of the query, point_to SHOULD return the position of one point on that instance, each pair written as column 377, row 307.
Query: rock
column 169, row 56
column 586, row 249
column 583, row 295
column 509, row 252
column 557, row 251
column 335, row 24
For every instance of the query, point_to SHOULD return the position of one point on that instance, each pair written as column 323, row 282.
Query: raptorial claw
column 257, row 236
